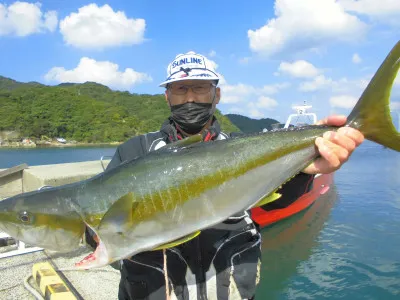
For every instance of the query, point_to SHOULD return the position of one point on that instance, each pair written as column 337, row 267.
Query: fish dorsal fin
column 268, row 199
column 119, row 216
column 178, row 241
column 190, row 140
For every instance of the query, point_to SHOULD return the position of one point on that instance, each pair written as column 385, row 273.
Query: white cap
column 190, row 66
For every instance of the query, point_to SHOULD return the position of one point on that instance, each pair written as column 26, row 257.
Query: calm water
column 47, row 156
column 346, row 246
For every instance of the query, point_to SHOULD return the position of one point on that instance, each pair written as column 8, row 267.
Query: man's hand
column 335, row 148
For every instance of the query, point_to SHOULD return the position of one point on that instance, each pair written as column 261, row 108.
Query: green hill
column 87, row 112
column 10, row 84
column 248, row 125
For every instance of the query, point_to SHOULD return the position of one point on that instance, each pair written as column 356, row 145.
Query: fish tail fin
column 371, row 114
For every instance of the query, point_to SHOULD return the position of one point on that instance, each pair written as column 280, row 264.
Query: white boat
column 265, row 215
column 61, row 140
column 301, row 117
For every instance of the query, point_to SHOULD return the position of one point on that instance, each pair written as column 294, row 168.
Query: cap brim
column 195, row 75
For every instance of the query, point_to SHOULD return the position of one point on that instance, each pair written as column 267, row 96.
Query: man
column 223, row 262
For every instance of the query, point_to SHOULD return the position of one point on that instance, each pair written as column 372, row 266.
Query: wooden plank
column 13, row 170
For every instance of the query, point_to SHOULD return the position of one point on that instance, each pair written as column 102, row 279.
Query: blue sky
column 271, row 54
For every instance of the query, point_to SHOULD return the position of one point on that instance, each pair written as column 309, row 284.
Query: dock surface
column 93, row 284
column 99, row 284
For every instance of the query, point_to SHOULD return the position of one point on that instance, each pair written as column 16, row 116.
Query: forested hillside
column 87, row 112
column 249, row 125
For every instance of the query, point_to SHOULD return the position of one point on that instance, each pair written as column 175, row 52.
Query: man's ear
column 166, row 97
column 217, row 95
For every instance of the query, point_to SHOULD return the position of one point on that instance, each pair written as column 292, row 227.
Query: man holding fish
column 186, row 190
column 223, row 262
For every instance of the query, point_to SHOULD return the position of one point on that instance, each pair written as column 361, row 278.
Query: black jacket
column 223, row 261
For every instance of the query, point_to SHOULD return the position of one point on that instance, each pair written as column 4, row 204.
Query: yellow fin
column 178, row 241
column 119, row 216
column 267, row 199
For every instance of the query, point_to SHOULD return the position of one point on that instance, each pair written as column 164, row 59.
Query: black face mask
column 191, row 117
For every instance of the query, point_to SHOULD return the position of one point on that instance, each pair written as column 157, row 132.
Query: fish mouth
column 10, row 229
column 98, row 258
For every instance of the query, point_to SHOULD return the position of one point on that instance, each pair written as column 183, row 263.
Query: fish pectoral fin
column 119, row 216
column 179, row 241
column 268, row 199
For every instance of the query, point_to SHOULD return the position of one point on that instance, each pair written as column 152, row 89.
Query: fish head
column 42, row 219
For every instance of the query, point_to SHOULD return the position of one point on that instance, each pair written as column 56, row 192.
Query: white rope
column 31, row 289
column 167, row 297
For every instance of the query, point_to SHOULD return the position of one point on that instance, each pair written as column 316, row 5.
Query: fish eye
column 25, row 217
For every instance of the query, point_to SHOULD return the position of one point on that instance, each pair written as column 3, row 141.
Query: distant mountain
column 67, row 84
column 11, row 84
column 87, row 84
column 8, row 83
column 248, row 125
column 87, row 112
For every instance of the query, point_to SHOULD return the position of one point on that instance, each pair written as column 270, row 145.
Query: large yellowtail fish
column 171, row 194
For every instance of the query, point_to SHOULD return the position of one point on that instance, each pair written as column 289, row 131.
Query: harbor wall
column 24, row 178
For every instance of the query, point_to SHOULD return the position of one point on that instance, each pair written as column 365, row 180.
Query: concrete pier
column 26, row 178
column 11, row 181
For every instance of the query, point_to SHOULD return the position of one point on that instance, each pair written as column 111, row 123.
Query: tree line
column 87, row 112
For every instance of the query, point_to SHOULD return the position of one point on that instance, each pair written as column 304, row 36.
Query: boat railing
column 301, row 113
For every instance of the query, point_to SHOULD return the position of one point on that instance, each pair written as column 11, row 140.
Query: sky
column 271, row 54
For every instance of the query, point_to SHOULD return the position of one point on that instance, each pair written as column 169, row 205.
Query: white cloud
column 100, row 27
column 346, row 86
column 244, row 60
column 386, row 11
column 213, row 64
column 103, row 72
column 394, row 105
column 363, row 83
column 212, row 53
column 257, row 100
column 299, row 68
column 23, row 19
column 306, row 24
column 266, row 102
column 271, row 89
column 222, row 80
column 356, row 58
column 51, row 20
column 319, row 82
column 236, row 93
column 247, row 93
column 236, row 110
column 343, row 101
column 255, row 113
column 339, row 86
column 256, row 108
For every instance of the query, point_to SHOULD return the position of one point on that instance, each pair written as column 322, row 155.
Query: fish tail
column 371, row 115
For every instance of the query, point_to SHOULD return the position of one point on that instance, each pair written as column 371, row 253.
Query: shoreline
column 19, row 145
